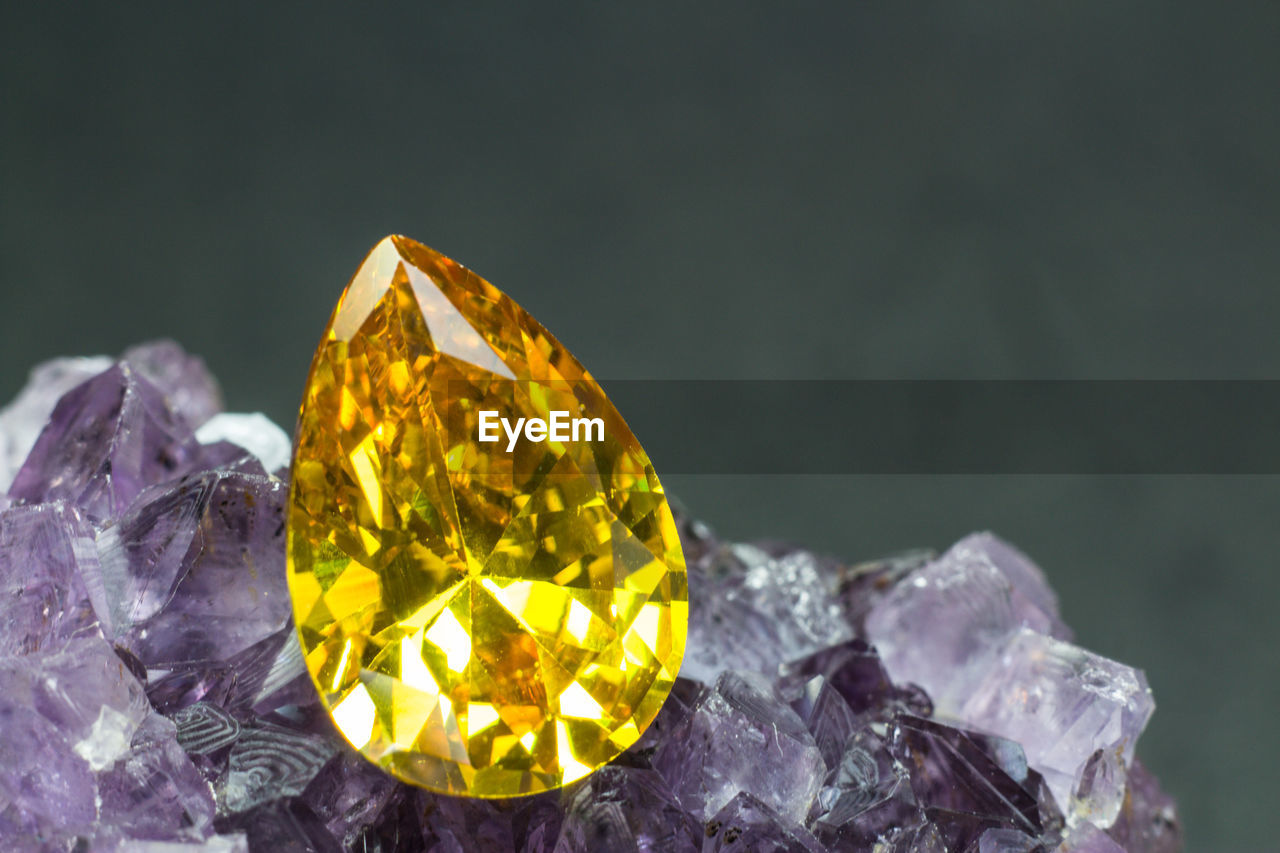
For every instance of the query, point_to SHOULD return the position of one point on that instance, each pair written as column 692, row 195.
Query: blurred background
column 739, row 191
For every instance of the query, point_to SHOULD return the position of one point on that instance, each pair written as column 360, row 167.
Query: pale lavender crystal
column 747, row 824
column 742, row 737
column 107, row 440
column 755, row 610
column 627, row 810
column 1070, row 709
column 973, row 629
column 1031, row 590
column 188, row 387
column 195, row 568
column 940, row 622
column 86, row 691
column 44, row 551
column 1148, row 820
column 22, row 420
column 46, row 786
column 155, row 792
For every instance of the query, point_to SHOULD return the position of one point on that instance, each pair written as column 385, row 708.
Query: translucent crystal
column 754, row 610
column 974, row 629
column 627, row 810
column 1071, row 710
column 190, row 391
column 22, row 420
column 45, row 552
column 742, row 737
column 107, row 440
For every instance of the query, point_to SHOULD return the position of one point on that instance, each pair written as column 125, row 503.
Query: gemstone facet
column 476, row 621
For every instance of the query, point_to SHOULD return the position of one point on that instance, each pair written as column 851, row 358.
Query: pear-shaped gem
column 481, row 617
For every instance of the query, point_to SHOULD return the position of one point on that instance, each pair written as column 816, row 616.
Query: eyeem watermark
column 559, row 427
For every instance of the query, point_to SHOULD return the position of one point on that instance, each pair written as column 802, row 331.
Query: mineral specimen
column 153, row 696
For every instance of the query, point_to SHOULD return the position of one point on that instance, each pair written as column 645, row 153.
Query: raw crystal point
column 955, row 775
column 107, row 440
column 940, row 624
column 975, row 629
column 195, row 568
column 742, row 594
column 153, row 697
column 627, row 810
column 45, row 552
column 742, row 737
column 189, row 389
column 747, row 824
column 1072, row 711
column 23, row 419
column 1030, row 589
column 86, row 692
column 154, row 791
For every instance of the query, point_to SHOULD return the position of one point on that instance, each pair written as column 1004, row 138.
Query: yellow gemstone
column 477, row 621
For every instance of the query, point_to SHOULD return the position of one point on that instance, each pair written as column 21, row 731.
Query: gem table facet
column 477, row 620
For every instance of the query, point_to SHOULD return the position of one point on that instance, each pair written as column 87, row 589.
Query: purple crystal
column 107, row 440
column 973, row 628
column 189, row 389
column 754, row 610
column 943, row 619
column 22, row 420
column 152, row 689
column 747, row 824
column 867, row 795
column 953, row 774
column 742, row 737
column 282, row 825
column 628, row 810
column 1148, row 819
column 1071, row 710
column 44, row 551
column 155, row 792
column 355, row 799
column 195, row 568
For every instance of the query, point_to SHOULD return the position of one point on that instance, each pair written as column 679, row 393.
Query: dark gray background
column 741, row 190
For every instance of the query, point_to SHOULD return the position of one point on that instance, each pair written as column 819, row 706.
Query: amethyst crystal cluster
column 152, row 695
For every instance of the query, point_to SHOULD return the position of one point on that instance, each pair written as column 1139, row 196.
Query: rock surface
column 153, row 697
